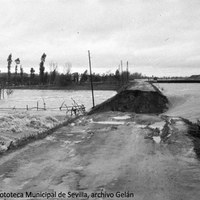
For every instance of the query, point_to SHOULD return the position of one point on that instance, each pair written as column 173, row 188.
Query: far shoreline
column 70, row 87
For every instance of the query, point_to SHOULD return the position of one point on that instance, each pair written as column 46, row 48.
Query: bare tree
column 67, row 68
column 53, row 66
column 21, row 73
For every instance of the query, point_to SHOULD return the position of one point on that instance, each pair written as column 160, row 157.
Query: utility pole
column 127, row 77
column 91, row 78
column 122, row 72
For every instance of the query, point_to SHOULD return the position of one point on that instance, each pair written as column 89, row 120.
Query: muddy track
column 105, row 154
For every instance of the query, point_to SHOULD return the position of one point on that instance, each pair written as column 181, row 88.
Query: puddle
column 50, row 138
column 109, row 122
column 180, row 122
column 140, row 126
column 76, row 131
column 122, row 117
column 157, row 139
column 76, row 142
column 158, row 125
column 69, row 135
column 67, row 142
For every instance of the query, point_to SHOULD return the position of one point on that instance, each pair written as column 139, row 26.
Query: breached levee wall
column 138, row 97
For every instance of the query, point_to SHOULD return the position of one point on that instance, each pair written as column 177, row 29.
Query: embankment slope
column 138, row 97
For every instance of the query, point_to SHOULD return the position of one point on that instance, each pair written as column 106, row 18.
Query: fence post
column 37, row 105
column 26, row 107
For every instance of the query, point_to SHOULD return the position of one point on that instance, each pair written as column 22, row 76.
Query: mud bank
column 138, row 97
column 21, row 128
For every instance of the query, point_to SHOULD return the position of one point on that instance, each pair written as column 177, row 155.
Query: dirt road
column 108, row 155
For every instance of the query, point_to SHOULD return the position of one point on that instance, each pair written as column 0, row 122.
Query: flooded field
column 184, row 99
column 53, row 98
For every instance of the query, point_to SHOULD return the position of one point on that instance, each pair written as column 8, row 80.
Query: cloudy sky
column 157, row 37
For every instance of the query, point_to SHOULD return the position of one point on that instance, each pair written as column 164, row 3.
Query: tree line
column 55, row 78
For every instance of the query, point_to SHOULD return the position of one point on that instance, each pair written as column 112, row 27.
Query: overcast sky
column 157, row 37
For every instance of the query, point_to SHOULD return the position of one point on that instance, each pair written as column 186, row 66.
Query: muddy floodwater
column 53, row 98
column 184, row 98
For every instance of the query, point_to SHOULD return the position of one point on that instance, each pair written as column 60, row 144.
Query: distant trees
column 9, row 60
column 46, row 78
column 117, row 75
column 136, row 75
column 84, row 76
column 96, row 77
column 21, row 73
column 15, row 78
column 67, row 74
column 32, row 75
column 42, row 68
column 53, row 67
column 17, row 61
column 55, row 78
column 67, row 68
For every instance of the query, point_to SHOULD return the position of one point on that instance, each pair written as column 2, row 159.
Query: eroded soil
column 147, row 155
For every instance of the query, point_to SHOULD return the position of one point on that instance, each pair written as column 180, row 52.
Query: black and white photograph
column 100, row 99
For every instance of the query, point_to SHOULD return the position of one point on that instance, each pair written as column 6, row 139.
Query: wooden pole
column 127, row 71
column 37, row 105
column 122, row 72
column 91, row 78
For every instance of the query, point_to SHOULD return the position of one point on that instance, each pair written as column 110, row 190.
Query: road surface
column 105, row 154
